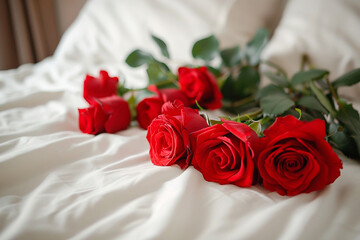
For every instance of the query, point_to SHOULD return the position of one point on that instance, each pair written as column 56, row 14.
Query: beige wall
column 66, row 12
column 31, row 29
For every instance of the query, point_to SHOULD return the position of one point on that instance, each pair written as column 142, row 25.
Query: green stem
column 333, row 93
column 138, row 89
column 322, row 98
column 248, row 116
column 240, row 118
column 305, row 60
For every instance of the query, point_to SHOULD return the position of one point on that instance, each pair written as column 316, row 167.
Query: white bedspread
column 58, row 183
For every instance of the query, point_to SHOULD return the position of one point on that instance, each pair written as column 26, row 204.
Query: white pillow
column 328, row 31
column 109, row 29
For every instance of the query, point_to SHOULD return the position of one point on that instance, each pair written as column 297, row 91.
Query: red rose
column 223, row 153
column 200, row 85
column 92, row 120
column 100, row 87
column 109, row 114
column 149, row 108
column 294, row 157
column 168, row 134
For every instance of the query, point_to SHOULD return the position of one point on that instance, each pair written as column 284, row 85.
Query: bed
column 58, row 183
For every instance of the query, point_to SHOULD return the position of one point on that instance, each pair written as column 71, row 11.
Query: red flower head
column 103, row 86
column 148, row 109
column 168, row 134
column 109, row 114
column 223, row 153
column 294, row 157
column 200, row 85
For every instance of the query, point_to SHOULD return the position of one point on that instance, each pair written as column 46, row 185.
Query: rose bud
column 109, row 114
column 294, row 157
column 200, row 85
column 168, row 134
column 223, row 153
column 148, row 109
column 92, row 119
column 100, row 87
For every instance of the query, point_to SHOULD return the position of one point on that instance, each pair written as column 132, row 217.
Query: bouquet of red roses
column 283, row 133
column 292, row 157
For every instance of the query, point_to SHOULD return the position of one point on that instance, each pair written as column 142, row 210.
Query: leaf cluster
column 157, row 71
column 312, row 91
column 238, row 71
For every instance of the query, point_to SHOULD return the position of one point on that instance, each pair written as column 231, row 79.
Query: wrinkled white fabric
column 58, row 183
column 327, row 31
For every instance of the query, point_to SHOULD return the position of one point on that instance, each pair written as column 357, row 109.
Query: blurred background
column 30, row 30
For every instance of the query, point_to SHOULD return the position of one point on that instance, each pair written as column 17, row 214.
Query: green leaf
column 256, row 126
column 231, row 56
column 312, row 103
column 255, row 46
column 268, row 91
column 273, row 100
column 227, row 88
column 349, row 117
column 278, row 79
column 156, row 72
column 348, row 79
column 349, row 111
column 138, row 58
column 341, row 139
column 163, row 65
column 323, row 84
column 306, row 76
column 206, row 48
column 322, row 98
column 162, row 46
column 276, row 103
column 247, row 82
column 304, row 115
column 214, row 71
column 313, row 114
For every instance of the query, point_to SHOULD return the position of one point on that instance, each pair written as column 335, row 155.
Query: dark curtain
column 30, row 29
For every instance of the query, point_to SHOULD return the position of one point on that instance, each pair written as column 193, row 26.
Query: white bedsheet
column 57, row 183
